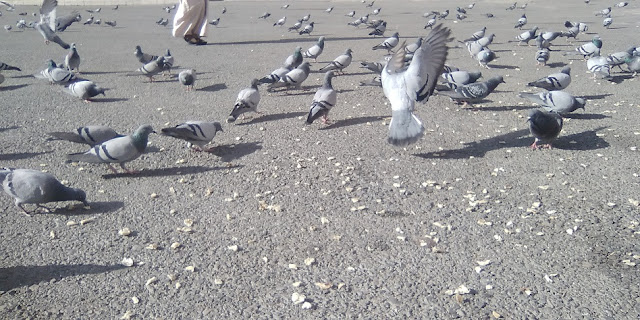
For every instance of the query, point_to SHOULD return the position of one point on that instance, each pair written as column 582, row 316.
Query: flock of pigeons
column 409, row 73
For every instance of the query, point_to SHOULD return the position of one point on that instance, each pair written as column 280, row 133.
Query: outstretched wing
column 48, row 13
column 427, row 64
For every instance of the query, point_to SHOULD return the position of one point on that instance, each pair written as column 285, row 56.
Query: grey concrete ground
column 467, row 223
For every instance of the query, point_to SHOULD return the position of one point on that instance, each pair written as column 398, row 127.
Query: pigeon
column 460, row 16
column 430, row 23
column 324, row 99
column 554, row 81
column 94, row 11
column 379, row 30
column 37, row 187
column 521, row 22
column 294, row 60
column 618, row 58
column 461, row 78
column 351, row 14
column 542, row 56
column 621, row 4
column 460, row 10
column 62, row 23
column 550, row 35
column 188, row 78
column 545, row 127
column 375, row 82
column 118, row 150
column 571, row 32
column 21, row 24
column 7, row 27
column 98, row 22
column 329, row 10
column 224, row 10
column 477, row 35
column 582, row 27
column 412, row 47
column 376, row 11
column 485, row 56
column 474, row 48
column 557, row 101
column 355, row 23
column 115, row 8
column 152, row 68
column 285, row 6
column 56, row 75
column 248, row 100
column 293, row 78
column 486, row 40
column 589, row 49
column 305, row 18
column 633, row 63
column 471, row 6
column 403, row 86
column 275, row 75
column 144, row 57
column 370, row 4
column 91, row 135
column 444, row 15
column 364, row 18
column 280, row 22
column 89, row 21
column 163, row 22
column 85, row 90
column 388, row 43
column 110, row 23
column 295, row 26
column 511, row 7
column 168, row 62
column 307, row 29
column 527, row 36
column 339, row 63
column 474, row 92
column 10, row 7
column 196, row 133
column 4, row 66
column 48, row 23
column 72, row 59
column 599, row 66
column 542, row 43
column 315, row 50
column 214, row 22
column 489, row 15
column 607, row 22
column 604, row 12
column 264, row 15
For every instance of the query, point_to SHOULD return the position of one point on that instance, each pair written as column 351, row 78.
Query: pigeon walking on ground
column 91, row 135
column 339, row 63
column 617, row 59
column 118, row 150
column 557, row 101
column 264, row 15
column 295, row 26
column 48, row 23
column 315, row 50
column 188, row 78
column 474, row 92
column 275, row 75
column 527, row 36
column 280, row 22
column 293, row 78
column 484, row 57
column 545, row 127
column 589, row 49
column 168, row 62
column 403, row 86
column 477, row 35
column 324, row 99
column 599, row 67
column 521, row 22
column 85, row 90
column 389, row 43
column 143, row 57
column 56, row 75
column 554, row 81
column 295, row 59
column 247, row 101
column 456, row 79
column 196, row 133
column 542, row 56
column 307, row 29
column 37, row 187
column 72, row 59
column 152, row 68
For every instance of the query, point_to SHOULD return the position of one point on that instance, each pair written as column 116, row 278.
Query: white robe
column 191, row 18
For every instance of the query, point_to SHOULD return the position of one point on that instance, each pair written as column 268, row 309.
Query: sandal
column 199, row 41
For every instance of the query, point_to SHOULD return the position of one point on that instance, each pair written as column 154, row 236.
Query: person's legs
column 190, row 21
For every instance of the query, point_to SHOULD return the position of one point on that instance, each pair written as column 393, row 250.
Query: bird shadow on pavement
column 24, row 276
column 502, row 66
column 110, row 100
column 230, row 152
column 556, row 64
column 273, row 117
column 14, row 87
column 586, row 116
column 597, row 97
column 20, row 155
column 478, row 149
column 586, row 140
column 503, row 108
column 214, row 87
column 9, row 128
column 619, row 78
column 351, row 122
column 103, row 72
column 161, row 172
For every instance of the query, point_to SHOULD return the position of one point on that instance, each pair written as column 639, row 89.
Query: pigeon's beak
column 153, row 131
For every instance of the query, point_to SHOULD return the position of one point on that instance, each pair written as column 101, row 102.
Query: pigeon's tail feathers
column 83, row 157
column 59, row 41
column 68, row 136
column 533, row 97
column 317, row 111
column 269, row 79
column 405, row 128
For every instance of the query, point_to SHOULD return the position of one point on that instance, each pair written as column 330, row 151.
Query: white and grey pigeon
column 633, row 63
column 307, row 29
column 91, row 135
column 430, row 23
column 542, row 56
column 144, row 57
column 118, row 150
column 403, row 86
column 293, row 78
column 168, row 62
column 196, row 133
column 376, row 11
column 622, row 4
column 295, row 26
column 295, row 59
column 351, row 14
column 275, row 75
column 554, row 81
column 339, row 63
column 545, row 127
column 617, row 59
column 247, row 101
column 474, row 92
column 280, row 22
column 527, row 36
column 411, row 48
column 152, row 68
column 188, row 78
column 589, row 49
column 324, row 99
column 315, row 50
column 56, row 75
column 37, row 187
column 215, row 22
column 379, row 30
column 305, row 18
column 456, row 79
column 329, row 10
column 607, row 22
column 485, row 56
column 389, row 43
column 599, row 67
column 604, row 12
column 557, row 101
column 477, row 35
column 85, row 90
column 47, row 23
column 72, row 59
column 521, row 22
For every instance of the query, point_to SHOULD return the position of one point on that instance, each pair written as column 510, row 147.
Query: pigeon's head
column 51, row 64
column 73, row 46
column 306, row 66
column 597, row 42
column 143, row 132
column 348, row 51
column 138, row 50
column 80, row 195
column 321, row 40
column 255, row 83
column 217, row 126
column 566, row 70
column 581, row 102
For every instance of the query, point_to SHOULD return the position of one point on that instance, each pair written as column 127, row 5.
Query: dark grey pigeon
column 545, row 127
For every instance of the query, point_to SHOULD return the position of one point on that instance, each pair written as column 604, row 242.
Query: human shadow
column 23, row 276
column 14, row 87
column 214, row 87
column 273, row 117
column 162, row 172
column 514, row 139
column 504, row 108
column 287, row 40
column 351, row 122
column 20, row 155
column 230, row 152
